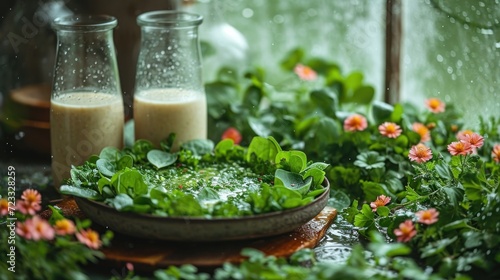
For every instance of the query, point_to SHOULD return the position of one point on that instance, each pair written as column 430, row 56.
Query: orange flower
column 406, row 231
column 381, row 200
column 305, row 73
column 232, row 133
column 422, row 130
column 390, row 129
column 474, row 139
column 435, row 105
column 459, row 148
column 355, row 122
column 89, row 238
column 64, row 227
column 428, row 216
column 4, row 207
column 420, row 153
column 495, row 153
column 31, row 196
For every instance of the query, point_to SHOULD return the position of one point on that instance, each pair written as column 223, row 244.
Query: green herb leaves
column 200, row 180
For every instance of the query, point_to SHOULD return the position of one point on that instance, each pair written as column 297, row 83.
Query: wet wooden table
column 149, row 255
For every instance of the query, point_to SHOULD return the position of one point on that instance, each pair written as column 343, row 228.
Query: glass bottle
column 86, row 103
column 169, row 95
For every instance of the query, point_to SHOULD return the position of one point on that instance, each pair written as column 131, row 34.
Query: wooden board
column 148, row 255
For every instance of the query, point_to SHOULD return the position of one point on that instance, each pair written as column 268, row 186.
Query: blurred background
column 408, row 50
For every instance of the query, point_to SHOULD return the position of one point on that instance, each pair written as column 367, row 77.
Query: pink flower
column 390, row 129
column 381, row 200
column 355, row 122
column 463, row 133
column 435, row 105
column 474, row 139
column 495, row 153
column 26, row 208
column 4, row 207
column 23, row 230
column 36, row 228
column 30, row 202
column 232, row 133
column 305, row 73
column 406, row 231
column 31, row 196
column 420, row 153
column 64, row 227
column 89, row 238
column 130, row 266
column 428, row 216
column 422, row 130
column 459, row 148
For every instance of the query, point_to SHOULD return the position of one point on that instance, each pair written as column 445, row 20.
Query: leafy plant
column 34, row 248
column 261, row 178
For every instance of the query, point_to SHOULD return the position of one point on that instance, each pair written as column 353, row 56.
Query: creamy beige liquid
column 159, row 112
column 81, row 125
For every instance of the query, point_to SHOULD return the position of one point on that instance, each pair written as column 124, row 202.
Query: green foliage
column 142, row 179
column 60, row 257
column 308, row 115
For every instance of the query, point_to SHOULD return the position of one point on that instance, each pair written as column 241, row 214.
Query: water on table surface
column 337, row 244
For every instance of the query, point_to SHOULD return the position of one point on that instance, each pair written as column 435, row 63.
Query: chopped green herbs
column 200, row 180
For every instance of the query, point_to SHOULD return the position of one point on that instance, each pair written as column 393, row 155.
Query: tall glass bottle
column 86, row 104
column 169, row 94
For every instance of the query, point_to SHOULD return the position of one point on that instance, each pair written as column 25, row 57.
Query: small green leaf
column 363, row 95
column 262, row 126
column 160, row 158
column 109, row 153
column 459, row 224
column 127, row 179
column 383, row 211
column 443, row 170
column 120, row 202
column 326, row 100
column 292, row 181
column 80, row 192
column 339, row 200
column 222, row 148
column 295, row 161
column 199, row 147
column 365, row 218
column 381, row 111
column 383, row 249
column 105, row 167
column 56, row 214
column 264, row 149
column 437, row 247
column 125, row 161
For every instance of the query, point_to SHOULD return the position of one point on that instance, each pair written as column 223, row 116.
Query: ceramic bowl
column 202, row 229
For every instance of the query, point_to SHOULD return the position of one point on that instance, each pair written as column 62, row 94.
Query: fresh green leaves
column 161, row 159
column 263, row 149
column 200, row 179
